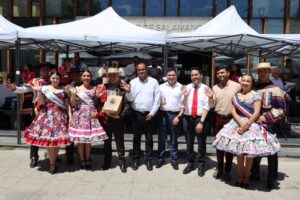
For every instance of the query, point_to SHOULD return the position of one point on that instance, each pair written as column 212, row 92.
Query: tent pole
column 67, row 52
column 17, row 80
column 213, row 61
column 165, row 52
column 249, row 62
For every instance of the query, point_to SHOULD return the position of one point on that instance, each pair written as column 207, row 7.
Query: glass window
column 3, row 8
column 295, row 26
column 128, row 7
column 275, row 26
column 294, row 9
column 257, row 25
column 59, row 8
column 82, row 8
column 196, row 8
column 26, row 22
column 99, row 5
column 172, row 7
column 35, row 8
column 154, row 7
column 241, row 7
column 20, row 8
column 221, row 5
column 269, row 8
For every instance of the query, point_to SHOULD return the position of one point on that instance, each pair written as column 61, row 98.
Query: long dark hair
column 92, row 83
column 56, row 74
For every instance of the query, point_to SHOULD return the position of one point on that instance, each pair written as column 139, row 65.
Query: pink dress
column 85, row 128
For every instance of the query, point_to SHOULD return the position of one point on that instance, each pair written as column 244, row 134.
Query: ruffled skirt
column 84, row 128
column 255, row 142
column 49, row 128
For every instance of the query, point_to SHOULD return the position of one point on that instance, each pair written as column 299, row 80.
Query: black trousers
column 114, row 127
column 189, row 127
column 148, row 128
column 272, row 167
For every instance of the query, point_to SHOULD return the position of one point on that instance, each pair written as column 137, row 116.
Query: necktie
column 195, row 102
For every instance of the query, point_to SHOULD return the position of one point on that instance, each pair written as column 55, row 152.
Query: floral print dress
column 49, row 128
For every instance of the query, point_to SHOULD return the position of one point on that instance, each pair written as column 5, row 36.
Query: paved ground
column 19, row 182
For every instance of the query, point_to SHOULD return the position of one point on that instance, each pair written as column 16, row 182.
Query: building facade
column 265, row 16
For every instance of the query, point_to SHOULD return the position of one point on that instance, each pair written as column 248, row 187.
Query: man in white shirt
column 129, row 70
column 196, row 108
column 144, row 94
column 171, row 111
column 276, row 77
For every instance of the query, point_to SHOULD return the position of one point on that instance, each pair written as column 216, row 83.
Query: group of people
column 244, row 116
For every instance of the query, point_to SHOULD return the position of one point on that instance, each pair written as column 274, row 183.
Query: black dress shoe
column 175, row 165
column 135, row 165
column 149, row 165
column 123, row 168
column 218, row 174
column 160, row 164
column 188, row 168
column 105, row 166
column 33, row 162
column 201, row 171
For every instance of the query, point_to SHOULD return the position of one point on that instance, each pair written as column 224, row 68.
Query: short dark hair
column 218, row 68
column 197, row 69
column 135, row 57
column 171, row 70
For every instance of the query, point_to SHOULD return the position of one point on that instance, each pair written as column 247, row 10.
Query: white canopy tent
column 102, row 30
column 227, row 33
column 8, row 32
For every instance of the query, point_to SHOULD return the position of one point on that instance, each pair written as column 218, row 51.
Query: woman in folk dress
column 85, row 128
column 49, row 128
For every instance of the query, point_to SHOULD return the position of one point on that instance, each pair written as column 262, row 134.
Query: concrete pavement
column 19, row 182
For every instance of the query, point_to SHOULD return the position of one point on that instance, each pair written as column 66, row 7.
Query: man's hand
column 149, row 117
column 175, row 121
column 125, row 86
column 10, row 86
column 199, row 128
column 185, row 91
column 209, row 93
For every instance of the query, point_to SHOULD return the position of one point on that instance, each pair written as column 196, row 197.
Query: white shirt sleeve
column 156, row 100
column 22, row 89
column 130, row 95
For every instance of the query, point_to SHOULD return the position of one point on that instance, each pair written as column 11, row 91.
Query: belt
column 224, row 116
column 171, row 112
column 192, row 117
column 143, row 113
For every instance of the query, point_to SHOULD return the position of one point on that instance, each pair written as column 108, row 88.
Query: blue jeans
column 165, row 128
